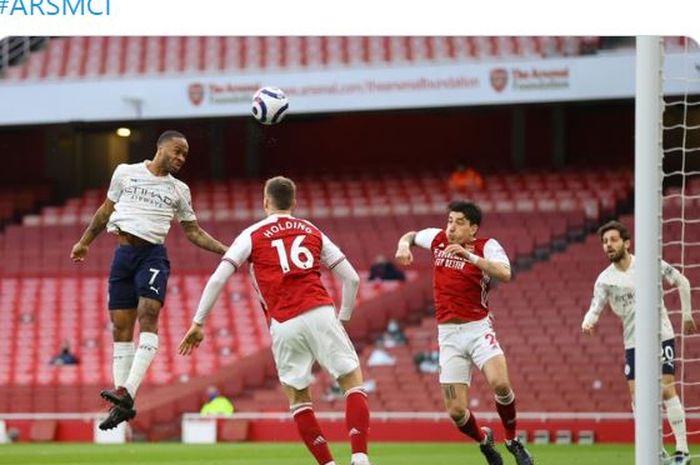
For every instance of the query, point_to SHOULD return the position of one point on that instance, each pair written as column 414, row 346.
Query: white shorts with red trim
column 464, row 345
column 316, row 335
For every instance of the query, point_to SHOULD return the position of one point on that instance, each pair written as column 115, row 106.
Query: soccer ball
column 269, row 105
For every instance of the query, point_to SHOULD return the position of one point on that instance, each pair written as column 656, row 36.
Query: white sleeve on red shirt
column 351, row 282
column 211, row 292
column 425, row 237
column 493, row 252
column 331, row 254
column 240, row 250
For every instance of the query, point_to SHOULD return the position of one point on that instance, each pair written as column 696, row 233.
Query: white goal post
column 648, row 292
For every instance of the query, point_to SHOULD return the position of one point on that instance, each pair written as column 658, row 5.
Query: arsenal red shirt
column 285, row 256
column 460, row 288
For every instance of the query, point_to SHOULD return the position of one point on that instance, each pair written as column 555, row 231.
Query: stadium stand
column 105, row 57
column 532, row 215
column 99, row 57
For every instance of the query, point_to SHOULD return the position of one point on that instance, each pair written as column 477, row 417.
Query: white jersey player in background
column 615, row 286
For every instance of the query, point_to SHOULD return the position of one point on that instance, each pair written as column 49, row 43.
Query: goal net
column 680, row 219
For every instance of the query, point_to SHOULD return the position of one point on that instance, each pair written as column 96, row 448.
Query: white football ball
column 269, row 105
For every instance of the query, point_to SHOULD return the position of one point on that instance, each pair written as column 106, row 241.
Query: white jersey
column 145, row 204
column 616, row 287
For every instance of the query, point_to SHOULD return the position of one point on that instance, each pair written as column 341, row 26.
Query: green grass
column 296, row 454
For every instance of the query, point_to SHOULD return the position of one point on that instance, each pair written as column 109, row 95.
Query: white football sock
column 359, row 458
column 676, row 418
column 145, row 353
column 122, row 357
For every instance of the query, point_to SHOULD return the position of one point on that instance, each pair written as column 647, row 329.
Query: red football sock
column 357, row 420
column 507, row 414
column 471, row 428
column 311, row 434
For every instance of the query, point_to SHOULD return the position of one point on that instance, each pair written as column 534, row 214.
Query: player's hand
column 689, row 326
column 587, row 329
column 456, row 249
column 403, row 255
column 78, row 252
column 192, row 339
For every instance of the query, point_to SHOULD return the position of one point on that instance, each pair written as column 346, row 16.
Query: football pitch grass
column 296, row 454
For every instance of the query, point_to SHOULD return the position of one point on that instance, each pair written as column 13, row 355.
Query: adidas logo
column 319, row 440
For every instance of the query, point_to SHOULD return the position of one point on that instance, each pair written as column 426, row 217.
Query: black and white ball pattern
column 270, row 105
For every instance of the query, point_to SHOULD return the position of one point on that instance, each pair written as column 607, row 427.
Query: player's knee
column 148, row 324
column 123, row 333
column 668, row 392
column 501, row 388
column 148, row 319
column 456, row 412
column 351, row 380
column 122, row 329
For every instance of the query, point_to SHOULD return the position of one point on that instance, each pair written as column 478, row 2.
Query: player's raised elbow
column 505, row 275
column 353, row 278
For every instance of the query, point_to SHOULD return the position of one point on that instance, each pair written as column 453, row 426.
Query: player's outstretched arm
column 677, row 279
column 96, row 226
column 596, row 308
column 403, row 249
column 217, row 281
column 201, row 238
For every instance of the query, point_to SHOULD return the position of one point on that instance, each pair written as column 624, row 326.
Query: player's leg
column 148, row 311
column 147, row 314
column 672, row 403
column 496, row 373
column 294, row 360
column 151, row 281
column 455, row 376
column 331, row 346
column 488, row 356
column 629, row 374
column 152, row 284
column 123, row 322
column 356, row 414
column 302, row 411
column 123, row 300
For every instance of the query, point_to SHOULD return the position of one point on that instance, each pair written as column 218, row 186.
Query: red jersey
column 460, row 288
column 285, row 256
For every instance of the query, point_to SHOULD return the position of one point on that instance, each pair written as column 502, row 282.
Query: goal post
column 648, row 291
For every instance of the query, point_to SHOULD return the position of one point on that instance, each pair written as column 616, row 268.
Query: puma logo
column 154, row 290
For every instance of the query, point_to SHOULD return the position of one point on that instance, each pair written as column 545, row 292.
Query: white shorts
column 464, row 345
column 316, row 335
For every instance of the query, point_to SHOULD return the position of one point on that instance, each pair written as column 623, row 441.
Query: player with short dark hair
column 142, row 200
column 615, row 286
column 285, row 255
column 464, row 266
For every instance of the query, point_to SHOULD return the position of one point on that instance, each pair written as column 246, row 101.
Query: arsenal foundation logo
column 196, row 93
column 499, row 79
